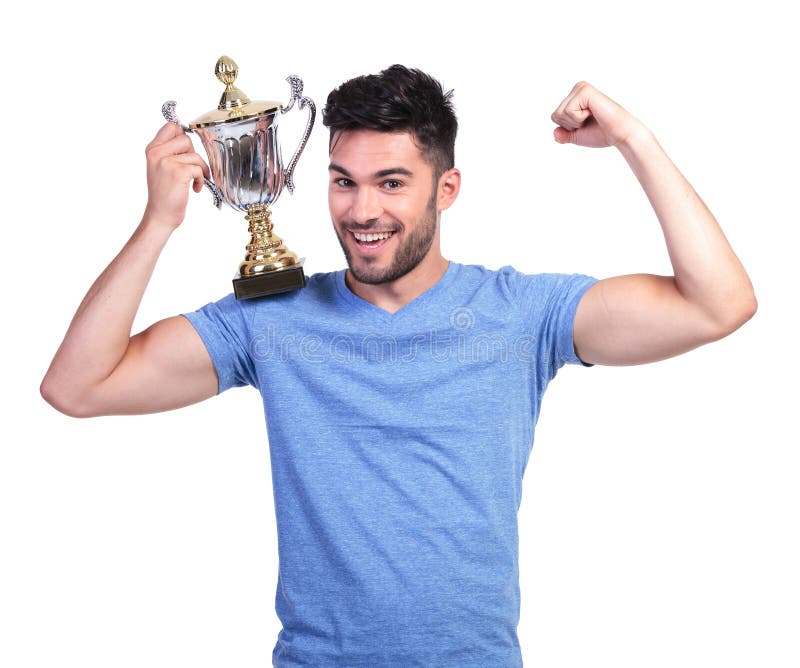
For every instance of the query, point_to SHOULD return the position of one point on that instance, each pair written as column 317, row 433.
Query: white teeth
column 372, row 237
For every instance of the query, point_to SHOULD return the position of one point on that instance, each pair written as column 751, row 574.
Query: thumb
column 167, row 132
column 563, row 136
column 588, row 135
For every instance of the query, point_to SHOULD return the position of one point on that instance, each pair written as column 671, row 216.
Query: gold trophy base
column 269, row 267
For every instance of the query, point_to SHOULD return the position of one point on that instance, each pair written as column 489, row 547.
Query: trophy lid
column 234, row 105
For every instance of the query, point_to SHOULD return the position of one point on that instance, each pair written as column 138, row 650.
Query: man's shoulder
column 518, row 287
column 323, row 283
column 510, row 274
column 478, row 272
column 505, row 278
column 321, row 288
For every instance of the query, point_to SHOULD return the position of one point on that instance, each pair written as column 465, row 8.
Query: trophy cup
column 241, row 140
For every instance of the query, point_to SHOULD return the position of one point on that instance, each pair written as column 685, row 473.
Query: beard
column 410, row 253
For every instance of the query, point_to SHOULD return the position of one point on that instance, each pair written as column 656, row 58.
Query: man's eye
column 392, row 184
column 343, row 182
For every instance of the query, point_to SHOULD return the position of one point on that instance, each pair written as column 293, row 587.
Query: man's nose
column 366, row 205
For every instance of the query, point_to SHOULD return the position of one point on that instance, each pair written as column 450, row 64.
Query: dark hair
column 398, row 99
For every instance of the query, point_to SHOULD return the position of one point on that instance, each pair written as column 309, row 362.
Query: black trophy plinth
column 270, row 283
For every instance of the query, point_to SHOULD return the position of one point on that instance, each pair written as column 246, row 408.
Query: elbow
column 734, row 318
column 64, row 401
column 752, row 307
column 747, row 310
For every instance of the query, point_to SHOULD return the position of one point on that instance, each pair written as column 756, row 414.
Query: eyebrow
column 333, row 167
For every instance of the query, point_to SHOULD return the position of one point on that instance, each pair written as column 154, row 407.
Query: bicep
column 636, row 319
column 166, row 366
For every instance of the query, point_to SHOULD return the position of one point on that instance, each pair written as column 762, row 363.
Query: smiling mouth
column 372, row 239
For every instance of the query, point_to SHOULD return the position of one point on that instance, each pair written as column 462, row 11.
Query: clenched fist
column 586, row 117
column 172, row 166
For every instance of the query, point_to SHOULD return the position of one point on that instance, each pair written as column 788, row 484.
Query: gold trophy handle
column 168, row 111
column 296, row 84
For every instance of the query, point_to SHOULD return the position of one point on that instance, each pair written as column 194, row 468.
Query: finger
column 560, row 109
column 166, row 132
column 190, row 173
column 575, row 108
column 194, row 158
column 563, row 136
column 581, row 85
column 573, row 113
column 178, row 145
column 198, row 179
column 577, row 113
column 588, row 135
column 568, row 122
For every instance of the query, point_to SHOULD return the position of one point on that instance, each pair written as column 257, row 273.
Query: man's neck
column 393, row 296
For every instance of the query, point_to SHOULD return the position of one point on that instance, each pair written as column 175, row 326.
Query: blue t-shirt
column 398, row 443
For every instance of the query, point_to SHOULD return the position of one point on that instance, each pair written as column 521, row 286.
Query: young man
column 407, row 387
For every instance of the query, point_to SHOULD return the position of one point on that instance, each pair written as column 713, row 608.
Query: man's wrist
column 638, row 141
column 154, row 225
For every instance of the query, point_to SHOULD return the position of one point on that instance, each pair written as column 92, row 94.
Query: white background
column 659, row 522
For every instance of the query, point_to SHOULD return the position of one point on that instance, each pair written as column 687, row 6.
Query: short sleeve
column 548, row 303
column 222, row 327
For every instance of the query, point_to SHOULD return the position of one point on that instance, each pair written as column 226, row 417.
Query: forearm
column 707, row 271
column 99, row 333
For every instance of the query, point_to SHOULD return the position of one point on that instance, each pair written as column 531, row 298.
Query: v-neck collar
column 413, row 306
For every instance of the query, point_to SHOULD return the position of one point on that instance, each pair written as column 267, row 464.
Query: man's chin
column 385, row 268
column 371, row 276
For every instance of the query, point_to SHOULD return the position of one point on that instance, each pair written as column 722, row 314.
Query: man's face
column 382, row 199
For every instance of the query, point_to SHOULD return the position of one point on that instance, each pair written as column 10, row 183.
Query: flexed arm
column 99, row 368
column 642, row 318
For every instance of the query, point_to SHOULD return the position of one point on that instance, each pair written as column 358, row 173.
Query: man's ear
column 449, row 185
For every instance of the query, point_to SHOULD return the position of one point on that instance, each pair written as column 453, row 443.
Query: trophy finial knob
column 227, row 71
